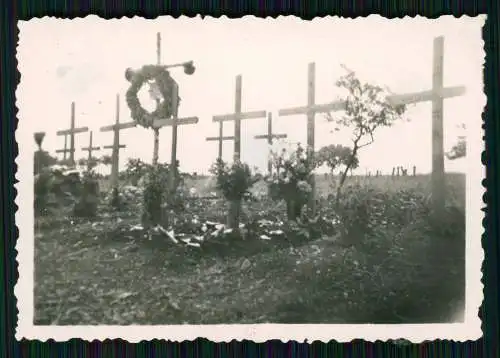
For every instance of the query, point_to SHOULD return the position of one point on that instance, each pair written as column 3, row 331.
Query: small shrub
column 155, row 191
column 87, row 203
column 234, row 182
column 290, row 181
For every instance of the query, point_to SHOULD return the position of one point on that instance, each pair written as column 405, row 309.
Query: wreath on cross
column 160, row 77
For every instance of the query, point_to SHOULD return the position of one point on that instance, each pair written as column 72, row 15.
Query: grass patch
column 406, row 269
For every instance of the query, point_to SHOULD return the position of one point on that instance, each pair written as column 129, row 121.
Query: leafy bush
column 155, row 193
column 88, row 200
column 235, row 180
column 63, row 187
column 135, row 170
column 289, row 182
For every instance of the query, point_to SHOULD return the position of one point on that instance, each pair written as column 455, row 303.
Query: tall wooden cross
column 237, row 116
column 115, row 154
column 71, row 132
column 437, row 94
column 174, row 121
column 220, row 139
column 90, row 149
column 270, row 136
column 310, row 110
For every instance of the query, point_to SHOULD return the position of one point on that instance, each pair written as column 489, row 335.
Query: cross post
column 237, row 116
column 71, row 132
column 270, row 136
column 220, row 139
column 65, row 148
column 115, row 154
column 437, row 95
column 310, row 110
column 89, row 149
column 173, row 152
column 174, row 121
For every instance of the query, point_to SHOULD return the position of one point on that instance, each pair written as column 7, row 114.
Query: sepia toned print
column 250, row 178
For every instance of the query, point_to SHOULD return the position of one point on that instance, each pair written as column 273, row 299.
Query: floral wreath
column 137, row 79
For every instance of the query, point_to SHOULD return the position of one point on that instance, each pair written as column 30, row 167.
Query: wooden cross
column 89, row 149
column 220, row 138
column 437, row 95
column 71, row 132
column 115, row 155
column 270, row 136
column 174, row 121
column 310, row 110
column 65, row 149
column 237, row 116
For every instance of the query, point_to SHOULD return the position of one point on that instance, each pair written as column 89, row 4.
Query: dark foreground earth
column 111, row 272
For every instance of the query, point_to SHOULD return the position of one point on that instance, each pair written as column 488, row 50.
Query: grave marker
column 310, row 110
column 90, row 149
column 270, row 136
column 65, row 148
column 237, row 116
column 71, row 132
column 174, row 121
column 115, row 154
column 437, row 95
column 220, row 139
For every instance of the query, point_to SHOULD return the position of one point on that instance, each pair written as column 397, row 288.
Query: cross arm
column 92, row 148
column 219, row 138
column 64, row 150
column 121, row 146
column 274, row 136
column 316, row 108
column 73, row 131
column 119, row 126
column 234, row 116
column 409, row 98
column 158, row 123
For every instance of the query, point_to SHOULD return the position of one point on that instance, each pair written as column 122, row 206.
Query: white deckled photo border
column 470, row 329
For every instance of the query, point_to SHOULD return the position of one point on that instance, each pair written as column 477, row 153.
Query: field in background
column 455, row 183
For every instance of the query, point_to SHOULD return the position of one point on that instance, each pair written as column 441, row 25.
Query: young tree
column 106, row 160
column 459, row 149
column 366, row 110
column 336, row 156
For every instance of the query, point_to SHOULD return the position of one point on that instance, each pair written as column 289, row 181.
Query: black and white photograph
column 250, row 178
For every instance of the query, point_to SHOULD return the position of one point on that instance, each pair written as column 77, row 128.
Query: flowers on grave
column 160, row 81
column 290, row 179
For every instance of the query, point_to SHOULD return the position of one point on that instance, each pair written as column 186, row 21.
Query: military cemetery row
column 436, row 95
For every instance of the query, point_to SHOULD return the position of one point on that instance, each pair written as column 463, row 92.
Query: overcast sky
column 84, row 60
